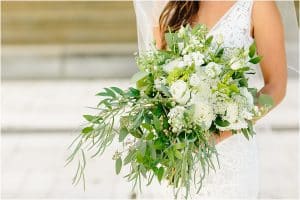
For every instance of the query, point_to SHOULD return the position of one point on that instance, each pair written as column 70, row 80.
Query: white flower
column 236, row 64
column 188, row 59
column 158, row 83
column 195, row 80
column 244, row 91
column 213, row 69
column 194, row 40
column 181, row 46
column 203, row 114
column 173, row 64
column 180, row 92
column 246, row 114
column 176, row 117
column 231, row 112
column 198, row 58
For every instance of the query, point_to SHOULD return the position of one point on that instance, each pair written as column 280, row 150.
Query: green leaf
column 220, row 53
column 245, row 133
column 220, row 122
column 252, row 50
column 142, row 148
column 117, row 90
column 156, row 123
column 118, row 165
column 133, row 92
column 179, row 145
column 110, row 92
column 123, row 133
column 165, row 91
column 158, row 144
column 169, row 37
column 160, row 173
column 265, row 100
column 150, row 136
column 91, row 118
column 136, row 133
column 255, row 60
column 208, row 40
column 139, row 75
column 87, row 130
column 178, row 154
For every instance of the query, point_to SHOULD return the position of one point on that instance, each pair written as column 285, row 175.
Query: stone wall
column 63, row 22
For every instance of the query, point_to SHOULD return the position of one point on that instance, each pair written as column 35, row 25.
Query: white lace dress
column 237, row 177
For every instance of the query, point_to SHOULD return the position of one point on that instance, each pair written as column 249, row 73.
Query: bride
column 239, row 23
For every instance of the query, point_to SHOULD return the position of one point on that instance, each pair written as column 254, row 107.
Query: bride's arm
column 269, row 36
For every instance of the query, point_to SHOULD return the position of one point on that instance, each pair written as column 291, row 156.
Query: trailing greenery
column 183, row 96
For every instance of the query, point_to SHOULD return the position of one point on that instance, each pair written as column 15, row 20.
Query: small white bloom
column 173, row 64
column 195, row 80
column 176, row 117
column 231, row 112
column 198, row 58
column 157, row 84
column 246, row 114
column 219, row 39
column 188, row 59
column 244, row 91
column 181, row 46
column 180, row 92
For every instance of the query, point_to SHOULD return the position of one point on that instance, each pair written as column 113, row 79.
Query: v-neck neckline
column 222, row 17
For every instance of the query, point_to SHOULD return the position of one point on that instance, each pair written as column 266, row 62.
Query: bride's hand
column 222, row 136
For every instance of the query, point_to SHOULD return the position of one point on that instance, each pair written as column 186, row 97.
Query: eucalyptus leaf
column 265, row 100
column 118, row 165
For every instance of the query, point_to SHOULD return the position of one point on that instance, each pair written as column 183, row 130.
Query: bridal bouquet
column 184, row 95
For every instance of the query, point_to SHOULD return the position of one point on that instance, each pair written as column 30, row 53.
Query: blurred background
column 55, row 56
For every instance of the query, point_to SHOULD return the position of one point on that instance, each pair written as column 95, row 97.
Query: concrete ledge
column 68, row 61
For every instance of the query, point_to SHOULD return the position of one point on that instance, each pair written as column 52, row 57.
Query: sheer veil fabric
column 238, row 176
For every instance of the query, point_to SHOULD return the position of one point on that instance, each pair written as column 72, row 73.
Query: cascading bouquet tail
column 184, row 95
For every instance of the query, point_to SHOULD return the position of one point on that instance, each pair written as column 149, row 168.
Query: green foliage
column 138, row 116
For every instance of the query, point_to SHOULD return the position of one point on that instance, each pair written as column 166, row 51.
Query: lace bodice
column 237, row 176
column 235, row 25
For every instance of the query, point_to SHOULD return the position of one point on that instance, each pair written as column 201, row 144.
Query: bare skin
column 267, row 30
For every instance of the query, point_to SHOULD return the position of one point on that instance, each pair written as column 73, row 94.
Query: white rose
column 180, row 92
column 198, row 58
column 173, row 64
column 203, row 113
column 213, row 69
column 236, row 64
